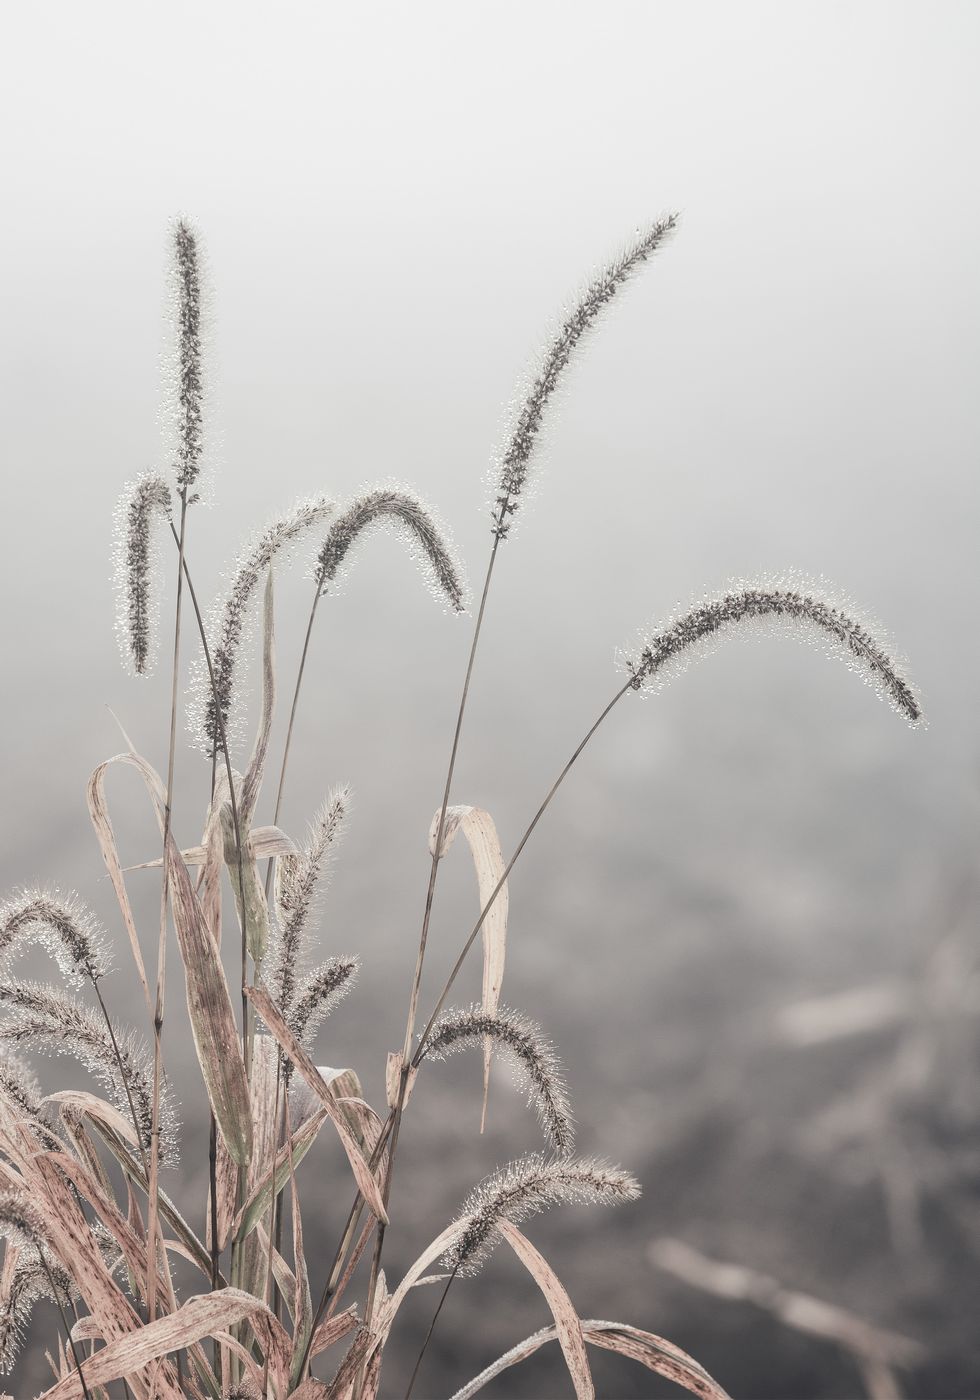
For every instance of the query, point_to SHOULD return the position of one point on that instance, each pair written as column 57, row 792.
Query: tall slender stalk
column 428, row 1335
column 423, row 940
column 388, row 1128
column 153, row 1202
column 65, row 1324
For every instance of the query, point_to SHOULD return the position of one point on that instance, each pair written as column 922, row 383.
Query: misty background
column 397, row 203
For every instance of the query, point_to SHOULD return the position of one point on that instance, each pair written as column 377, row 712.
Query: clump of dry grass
column 265, row 1314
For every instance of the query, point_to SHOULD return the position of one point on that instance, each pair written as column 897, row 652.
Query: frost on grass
column 21, row 1093
column 45, row 1018
column 141, row 512
column 189, row 395
column 389, row 507
column 230, row 616
column 306, row 997
column 510, row 477
column 525, row 1188
column 537, row 1067
column 668, row 650
column 69, row 932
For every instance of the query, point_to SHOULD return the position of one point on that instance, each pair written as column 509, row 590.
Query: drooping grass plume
column 524, row 1188
column 229, row 617
column 387, row 506
column 28, row 1283
column 52, row 1020
column 670, row 647
column 19, row 1221
column 68, row 930
column 317, row 995
column 536, row 1065
column 20, row 1091
column 300, row 877
column 144, row 504
column 190, row 383
column 597, row 295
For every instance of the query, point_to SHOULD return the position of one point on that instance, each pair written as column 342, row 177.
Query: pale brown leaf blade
column 200, row 1317
column 211, row 1015
column 276, row 1177
column 99, row 815
column 208, row 999
column 645, row 1347
column 332, row 1329
column 366, row 1181
column 256, row 767
column 567, row 1323
column 480, row 832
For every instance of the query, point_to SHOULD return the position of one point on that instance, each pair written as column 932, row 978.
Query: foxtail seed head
column 598, row 294
column 524, row 1188
column 536, row 1065
column 143, row 506
column 670, row 647
column 401, row 510
column 63, row 924
column 229, row 617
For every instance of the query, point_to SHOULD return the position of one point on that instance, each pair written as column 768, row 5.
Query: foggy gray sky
column 397, row 201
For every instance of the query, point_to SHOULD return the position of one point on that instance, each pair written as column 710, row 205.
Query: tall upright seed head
column 300, row 877
column 525, row 1188
column 317, row 994
column 190, row 385
column 142, row 507
column 598, row 294
column 229, row 617
column 389, row 506
column 671, row 646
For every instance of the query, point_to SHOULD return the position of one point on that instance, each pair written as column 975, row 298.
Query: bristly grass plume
column 524, row 1188
column 229, row 618
column 300, row 880
column 190, row 381
column 144, row 505
column 598, row 294
column 49, row 1019
column 62, row 923
column 387, row 506
column 674, row 643
column 533, row 1057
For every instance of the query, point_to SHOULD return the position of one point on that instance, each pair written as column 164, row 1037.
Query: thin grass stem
column 428, row 1335
column 64, row 1322
column 153, row 1203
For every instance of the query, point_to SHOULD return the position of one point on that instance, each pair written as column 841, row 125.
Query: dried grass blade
column 567, row 1322
column 258, row 1201
column 134, row 1169
column 208, row 1000
column 256, row 767
column 99, row 814
column 211, row 1016
column 429, row 1255
column 302, row 1301
column 332, row 1329
column 366, row 1181
column 266, row 841
column 645, row 1347
column 481, row 836
column 199, row 1317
